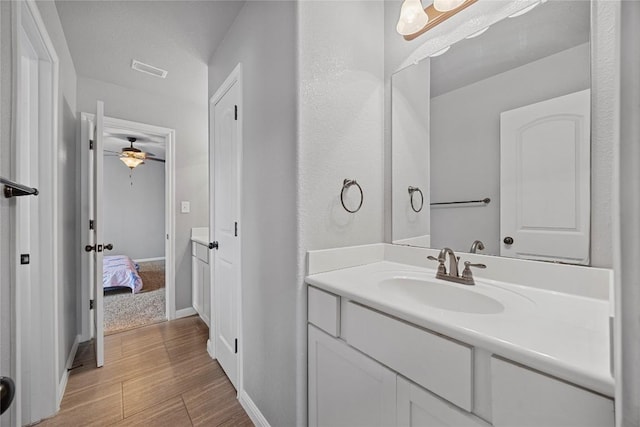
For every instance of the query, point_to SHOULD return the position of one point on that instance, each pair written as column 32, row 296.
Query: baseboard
column 210, row 349
column 160, row 258
column 252, row 410
column 65, row 375
column 185, row 312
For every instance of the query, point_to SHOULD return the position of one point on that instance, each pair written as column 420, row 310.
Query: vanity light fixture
column 435, row 14
column 412, row 17
column 446, row 5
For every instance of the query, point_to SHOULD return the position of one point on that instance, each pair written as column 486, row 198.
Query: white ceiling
column 179, row 36
column 549, row 28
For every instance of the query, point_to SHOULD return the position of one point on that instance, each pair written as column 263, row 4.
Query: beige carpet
column 124, row 311
column 152, row 275
column 129, row 311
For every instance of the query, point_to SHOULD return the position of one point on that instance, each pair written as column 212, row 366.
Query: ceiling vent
column 149, row 69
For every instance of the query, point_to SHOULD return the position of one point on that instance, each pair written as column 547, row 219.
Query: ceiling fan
column 132, row 156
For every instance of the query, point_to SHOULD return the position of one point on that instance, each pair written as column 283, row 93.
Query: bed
column 119, row 271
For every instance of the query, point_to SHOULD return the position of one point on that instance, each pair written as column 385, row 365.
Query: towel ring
column 413, row 190
column 345, row 185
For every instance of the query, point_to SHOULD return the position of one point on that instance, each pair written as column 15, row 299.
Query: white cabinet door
column 206, row 292
column 346, row 388
column 545, row 180
column 417, row 407
column 196, row 280
column 522, row 397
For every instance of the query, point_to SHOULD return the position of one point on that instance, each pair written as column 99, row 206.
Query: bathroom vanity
column 200, row 273
column 388, row 344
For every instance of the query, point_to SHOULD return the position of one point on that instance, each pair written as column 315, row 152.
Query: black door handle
column 7, row 392
column 508, row 240
column 108, row 247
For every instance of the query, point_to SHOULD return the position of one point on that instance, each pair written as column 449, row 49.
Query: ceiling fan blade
column 155, row 160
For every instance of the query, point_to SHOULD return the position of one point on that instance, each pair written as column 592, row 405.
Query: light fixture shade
column 413, row 18
column 447, row 5
column 131, row 162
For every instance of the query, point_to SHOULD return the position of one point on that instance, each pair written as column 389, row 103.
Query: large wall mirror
column 491, row 140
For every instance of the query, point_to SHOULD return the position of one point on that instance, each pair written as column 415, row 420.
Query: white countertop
column 562, row 335
column 200, row 235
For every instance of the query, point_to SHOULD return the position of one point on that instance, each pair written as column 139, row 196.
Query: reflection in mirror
column 496, row 135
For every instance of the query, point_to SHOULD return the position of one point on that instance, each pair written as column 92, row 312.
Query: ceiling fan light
column 131, row 162
column 447, row 5
column 413, row 18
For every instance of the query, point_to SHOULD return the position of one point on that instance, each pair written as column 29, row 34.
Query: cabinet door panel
column 346, row 388
column 522, row 397
column 418, row 408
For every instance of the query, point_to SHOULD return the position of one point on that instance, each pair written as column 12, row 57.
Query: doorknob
column 90, row 248
column 7, row 392
column 108, row 247
column 508, row 240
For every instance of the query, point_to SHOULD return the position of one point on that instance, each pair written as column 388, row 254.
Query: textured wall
column 263, row 39
column 340, row 135
column 628, row 408
column 191, row 160
column 134, row 220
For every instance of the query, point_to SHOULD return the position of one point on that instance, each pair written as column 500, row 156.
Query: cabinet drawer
column 201, row 252
column 523, row 397
column 438, row 364
column 324, row 310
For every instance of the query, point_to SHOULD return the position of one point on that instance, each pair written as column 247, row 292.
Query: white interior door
column 225, row 209
column 545, row 180
column 95, row 194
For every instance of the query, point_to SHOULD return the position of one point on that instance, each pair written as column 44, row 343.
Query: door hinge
column 236, row 112
column 236, row 232
column 91, row 144
column 92, row 224
column 90, row 304
column 236, row 350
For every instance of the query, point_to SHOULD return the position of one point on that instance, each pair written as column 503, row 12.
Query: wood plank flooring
column 158, row 375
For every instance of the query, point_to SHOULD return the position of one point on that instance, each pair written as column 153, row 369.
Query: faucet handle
column 467, row 274
column 467, row 264
column 441, row 268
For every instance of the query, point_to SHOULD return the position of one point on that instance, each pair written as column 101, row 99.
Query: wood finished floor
column 158, row 375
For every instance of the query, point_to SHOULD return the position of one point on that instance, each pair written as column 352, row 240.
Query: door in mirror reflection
column 545, row 180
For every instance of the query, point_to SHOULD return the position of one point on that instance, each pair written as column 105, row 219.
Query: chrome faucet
column 475, row 246
column 452, row 275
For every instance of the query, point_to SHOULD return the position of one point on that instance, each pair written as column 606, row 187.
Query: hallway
column 157, row 375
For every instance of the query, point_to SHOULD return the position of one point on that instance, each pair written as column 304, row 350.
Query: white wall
column 191, row 167
column 465, row 159
column 263, row 39
column 340, row 135
column 134, row 220
column 628, row 405
column 410, row 154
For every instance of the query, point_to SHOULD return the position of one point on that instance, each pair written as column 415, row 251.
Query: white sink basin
column 445, row 296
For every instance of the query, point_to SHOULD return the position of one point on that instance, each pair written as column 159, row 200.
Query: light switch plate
column 185, row 207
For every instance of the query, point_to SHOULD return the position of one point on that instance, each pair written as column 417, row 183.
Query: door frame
column 35, row 341
column 87, row 121
column 235, row 77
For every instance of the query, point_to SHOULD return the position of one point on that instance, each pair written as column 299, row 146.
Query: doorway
column 142, row 249
column 225, row 164
column 36, row 364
